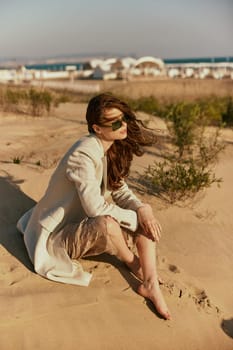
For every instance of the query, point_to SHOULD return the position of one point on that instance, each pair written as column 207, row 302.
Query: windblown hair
column 120, row 154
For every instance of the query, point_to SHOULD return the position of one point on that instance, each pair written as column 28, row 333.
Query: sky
column 159, row 28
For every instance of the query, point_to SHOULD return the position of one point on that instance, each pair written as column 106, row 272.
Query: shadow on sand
column 120, row 266
column 227, row 327
column 12, row 205
column 124, row 271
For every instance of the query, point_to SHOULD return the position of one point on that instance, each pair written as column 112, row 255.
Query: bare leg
column 150, row 287
column 122, row 251
column 147, row 262
column 115, row 234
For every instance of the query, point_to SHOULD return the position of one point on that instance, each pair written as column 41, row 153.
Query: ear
column 96, row 128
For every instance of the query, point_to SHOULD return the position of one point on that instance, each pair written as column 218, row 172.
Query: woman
column 74, row 218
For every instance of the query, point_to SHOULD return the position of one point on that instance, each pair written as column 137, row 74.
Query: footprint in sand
column 184, row 291
column 202, row 300
column 164, row 265
column 198, row 296
column 5, row 268
column 173, row 268
column 11, row 274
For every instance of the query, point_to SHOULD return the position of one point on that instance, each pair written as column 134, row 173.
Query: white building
column 148, row 66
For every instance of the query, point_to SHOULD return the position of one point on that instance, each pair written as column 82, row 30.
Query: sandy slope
column 195, row 258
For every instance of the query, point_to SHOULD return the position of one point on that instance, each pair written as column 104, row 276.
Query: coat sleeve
column 125, row 198
column 82, row 170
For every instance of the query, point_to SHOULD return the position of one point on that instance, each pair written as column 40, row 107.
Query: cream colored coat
column 76, row 190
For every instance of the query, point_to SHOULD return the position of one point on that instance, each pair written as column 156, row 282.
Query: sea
column 61, row 66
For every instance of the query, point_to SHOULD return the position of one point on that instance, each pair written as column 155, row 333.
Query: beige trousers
column 89, row 238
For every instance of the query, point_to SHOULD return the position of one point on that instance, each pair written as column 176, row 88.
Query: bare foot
column 153, row 292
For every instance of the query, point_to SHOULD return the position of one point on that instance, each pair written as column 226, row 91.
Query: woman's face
column 113, row 125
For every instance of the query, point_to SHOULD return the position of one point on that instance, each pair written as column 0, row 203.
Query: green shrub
column 64, row 98
column 39, row 101
column 188, row 165
column 208, row 148
column 147, row 104
column 12, row 98
column 178, row 180
column 183, row 121
column 213, row 108
column 24, row 100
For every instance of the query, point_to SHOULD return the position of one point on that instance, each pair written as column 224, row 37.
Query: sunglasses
column 118, row 123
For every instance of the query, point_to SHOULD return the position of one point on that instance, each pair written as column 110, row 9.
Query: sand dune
column 195, row 259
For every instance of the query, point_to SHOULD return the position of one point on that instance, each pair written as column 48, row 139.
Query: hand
column 151, row 227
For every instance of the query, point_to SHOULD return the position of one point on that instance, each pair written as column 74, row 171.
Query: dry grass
column 167, row 90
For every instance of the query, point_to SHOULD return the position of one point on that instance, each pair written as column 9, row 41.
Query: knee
column 142, row 239
column 106, row 223
column 111, row 226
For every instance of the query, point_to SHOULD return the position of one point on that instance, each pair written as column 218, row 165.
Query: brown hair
column 120, row 154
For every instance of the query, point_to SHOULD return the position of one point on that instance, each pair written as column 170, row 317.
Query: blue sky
column 161, row 28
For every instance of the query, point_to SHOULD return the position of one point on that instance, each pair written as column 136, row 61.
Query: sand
column 195, row 258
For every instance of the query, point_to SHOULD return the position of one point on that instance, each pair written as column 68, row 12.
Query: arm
column 82, row 170
column 149, row 225
column 125, row 198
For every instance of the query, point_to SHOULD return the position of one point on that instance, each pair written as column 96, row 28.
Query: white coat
column 77, row 189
